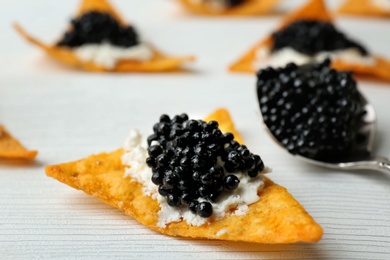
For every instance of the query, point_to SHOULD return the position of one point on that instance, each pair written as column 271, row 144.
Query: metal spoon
column 361, row 157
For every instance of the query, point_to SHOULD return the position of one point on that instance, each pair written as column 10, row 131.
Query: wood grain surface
column 68, row 115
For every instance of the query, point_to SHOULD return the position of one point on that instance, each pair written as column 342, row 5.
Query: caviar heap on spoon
column 319, row 116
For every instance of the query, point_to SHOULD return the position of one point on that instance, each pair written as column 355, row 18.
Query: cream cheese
column 280, row 58
column 235, row 202
column 135, row 155
column 108, row 55
column 384, row 4
column 222, row 232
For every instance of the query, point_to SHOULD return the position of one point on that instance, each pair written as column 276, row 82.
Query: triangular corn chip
column 276, row 218
column 10, row 148
column 222, row 116
column 362, row 7
column 249, row 7
column 314, row 10
column 158, row 63
column 99, row 6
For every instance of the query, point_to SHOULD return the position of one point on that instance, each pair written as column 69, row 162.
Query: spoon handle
column 378, row 164
column 383, row 164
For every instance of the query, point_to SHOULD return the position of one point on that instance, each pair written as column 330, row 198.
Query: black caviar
column 310, row 37
column 232, row 3
column 312, row 110
column 193, row 162
column 96, row 27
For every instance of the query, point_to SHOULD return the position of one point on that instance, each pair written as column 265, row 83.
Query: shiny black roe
column 312, row 110
column 232, row 3
column 95, row 27
column 192, row 160
column 311, row 37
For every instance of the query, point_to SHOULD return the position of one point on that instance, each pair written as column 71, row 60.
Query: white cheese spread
column 222, row 232
column 235, row 202
column 108, row 55
column 280, row 58
column 384, row 4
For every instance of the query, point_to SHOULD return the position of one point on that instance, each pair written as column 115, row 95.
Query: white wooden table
column 68, row 115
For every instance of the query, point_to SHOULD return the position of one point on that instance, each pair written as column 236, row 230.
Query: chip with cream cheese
column 157, row 63
column 276, row 218
column 314, row 10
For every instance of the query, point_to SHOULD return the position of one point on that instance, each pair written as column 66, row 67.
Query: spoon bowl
column 360, row 156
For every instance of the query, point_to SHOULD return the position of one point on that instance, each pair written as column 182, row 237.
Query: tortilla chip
column 250, row 7
column 362, row 7
column 246, row 62
column 380, row 70
column 101, row 6
column 158, row 63
column 10, row 148
column 222, row 116
column 314, row 10
column 276, row 218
